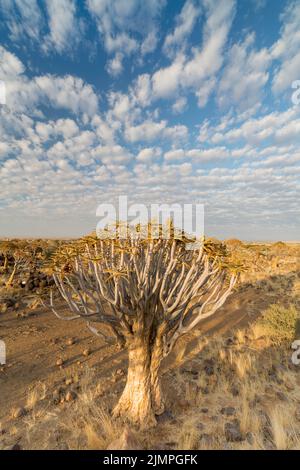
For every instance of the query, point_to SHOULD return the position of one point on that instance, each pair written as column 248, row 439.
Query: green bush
column 280, row 323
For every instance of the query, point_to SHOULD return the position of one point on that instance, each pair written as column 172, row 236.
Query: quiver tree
column 144, row 294
column 5, row 252
column 19, row 255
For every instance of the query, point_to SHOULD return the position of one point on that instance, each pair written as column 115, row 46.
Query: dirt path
column 35, row 342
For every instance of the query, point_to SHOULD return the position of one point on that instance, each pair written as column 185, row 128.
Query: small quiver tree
column 144, row 293
column 20, row 255
column 6, row 253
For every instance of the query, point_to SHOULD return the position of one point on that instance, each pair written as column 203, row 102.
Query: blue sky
column 164, row 101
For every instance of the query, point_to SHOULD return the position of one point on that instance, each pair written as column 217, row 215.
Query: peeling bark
column 135, row 403
column 142, row 397
column 158, row 401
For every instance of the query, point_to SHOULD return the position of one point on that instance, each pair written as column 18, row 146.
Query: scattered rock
column 233, row 431
column 209, row 367
column 127, row 441
column 281, row 396
column 273, row 376
column 293, row 367
column 18, row 412
column 165, row 417
column 170, row 445
column 56, row 396
column 204, row 410
column 70, row 396
column 62, row 446
column 86, row 352
column 250, row 438
column 119, row 372
column 235, row 391
column 192, row 368
column 70, row 341
column 231, row 341
column 183, row 404
column 267, row 433
column 68, row 381
column 10, row 303
column 16, row 447
column 29, row 286
column 289, row 385
column 59, row 362
column 228, row 411
column 269, row 389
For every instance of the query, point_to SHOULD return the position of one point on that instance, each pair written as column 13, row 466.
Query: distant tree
column 234, row 242
column 145, row 294
column 279, row 245
column 22, row 254
column 6, row 249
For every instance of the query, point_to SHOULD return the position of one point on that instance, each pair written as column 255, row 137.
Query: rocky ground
column 230, row 385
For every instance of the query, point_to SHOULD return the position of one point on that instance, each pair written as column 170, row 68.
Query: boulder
column 233, row 431
column 228, row 411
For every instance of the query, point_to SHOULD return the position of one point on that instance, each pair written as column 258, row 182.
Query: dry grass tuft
column 189, row 436
column 35, row 395
column 243, row 364
column 278, row 420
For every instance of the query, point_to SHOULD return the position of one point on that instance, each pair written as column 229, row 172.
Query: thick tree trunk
column 158, row 402
column 142, row 398
column 135, row 403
